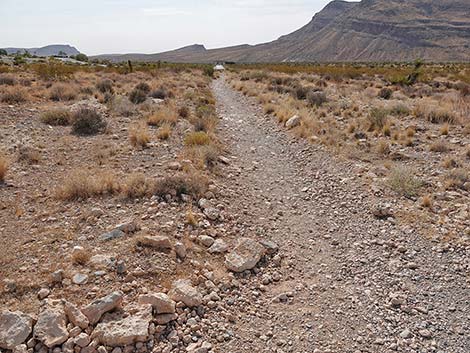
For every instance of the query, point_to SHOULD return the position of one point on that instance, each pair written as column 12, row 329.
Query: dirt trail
column 348, row 281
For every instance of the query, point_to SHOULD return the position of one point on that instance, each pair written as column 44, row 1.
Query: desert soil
column 347, row 281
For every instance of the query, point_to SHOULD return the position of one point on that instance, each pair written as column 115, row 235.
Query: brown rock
column 51, row 328
column 157, row 242
column 15, row 327
column 160, row 302
column 75, row 316
column 245, row 255
column 183, row 291
column 96, row 309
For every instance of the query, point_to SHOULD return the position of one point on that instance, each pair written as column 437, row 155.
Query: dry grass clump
column 28, row 154
column 87, row 121
column 4, row 165
column 377, row 118
column 184, row 112
column 203, row 156
column 139, row 135
column 269, row 108
column 436, row 114
column 198, row 138
column 458, row 179
column 399, row 110
column 14, row 96
column 426, row 201
column 81, row 185
column 144, row 87
column 122, row 106
column 62, row 92
column 403, row 181
column 444, row 130
column 450, row 162
column 439, row 146
column 80, row 256
column 56, row 117
column 383, row 147
column 7, row 80
column 164, row 115
column 137, row 186
column 164, row 132
column 191, row 184
column 105, row 86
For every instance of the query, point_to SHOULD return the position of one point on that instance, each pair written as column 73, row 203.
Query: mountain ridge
column 369, row 30
column 48, row 50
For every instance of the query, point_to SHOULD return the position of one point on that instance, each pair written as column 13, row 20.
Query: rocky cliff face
column 370, row 30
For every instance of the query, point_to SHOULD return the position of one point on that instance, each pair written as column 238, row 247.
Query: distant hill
column 49, row 50
column 370, row 30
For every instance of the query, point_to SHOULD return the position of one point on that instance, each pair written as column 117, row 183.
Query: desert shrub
column 56, row 117
column 403, row 181
column 144, row 87
column 193, row 184
column 164, row 115
column 385, row 93
column 377, row 118
column 137, row 186
column 209, row 71
column 399, row 109
column 198, row 138
column 3, row 168
column 184, row 112
column 434, row 114
column 159, row 93
column 14, row 96
column 316, row 98
column 205, row 155
column 7, row 80
column 87, row 121
column 62, row 92
column 105, row 86
column 164, row 132
column 139, row 135
column 137, row 96
column 81, row 185
column 458, row 179
column 299, row 92
column 439, row 146
column 54, row 70
column 122, row 106
column 28, row 154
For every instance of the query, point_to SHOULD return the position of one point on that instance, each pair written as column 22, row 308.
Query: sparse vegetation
column 14, row 96
column 87, row 121
column 56, row 117
column 137, row 96
column 62, row 92
column 198, row 138
column 403, row 181
column 139, row 135
column 105, row 86
column 164, row 115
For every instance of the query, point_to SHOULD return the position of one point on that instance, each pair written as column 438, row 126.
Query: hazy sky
column 149, row 26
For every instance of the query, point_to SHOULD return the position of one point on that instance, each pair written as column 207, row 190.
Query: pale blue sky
column 149, row 26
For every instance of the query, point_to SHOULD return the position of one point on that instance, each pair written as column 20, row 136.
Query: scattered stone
column 206, row 240
column 244, row 256
column 157, row 242
column 82, row 340
column 129, row 330
column 382, row 211
column 43, row 293
column 218, row 247
column 406, row 334
column 96, row 309
column 160, row 302
column 80, row 278
column 75, row 316
column 51, row 328
column 15, row 327
column 181, row 251
column 183, row 291
column 293, row 122
column 211, row 213
column 163, row 319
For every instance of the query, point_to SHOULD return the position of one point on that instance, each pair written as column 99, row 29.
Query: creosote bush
column 159, row 93
column 144, row 87
column 56, row 117
column 87, row 121
column 105, row 86
column 316, row 98
column 385, row 93
column 137, row 96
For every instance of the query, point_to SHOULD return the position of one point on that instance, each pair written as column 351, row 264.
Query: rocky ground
column 287, row 254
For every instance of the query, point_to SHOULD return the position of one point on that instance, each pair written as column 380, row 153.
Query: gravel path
column 348, row 282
